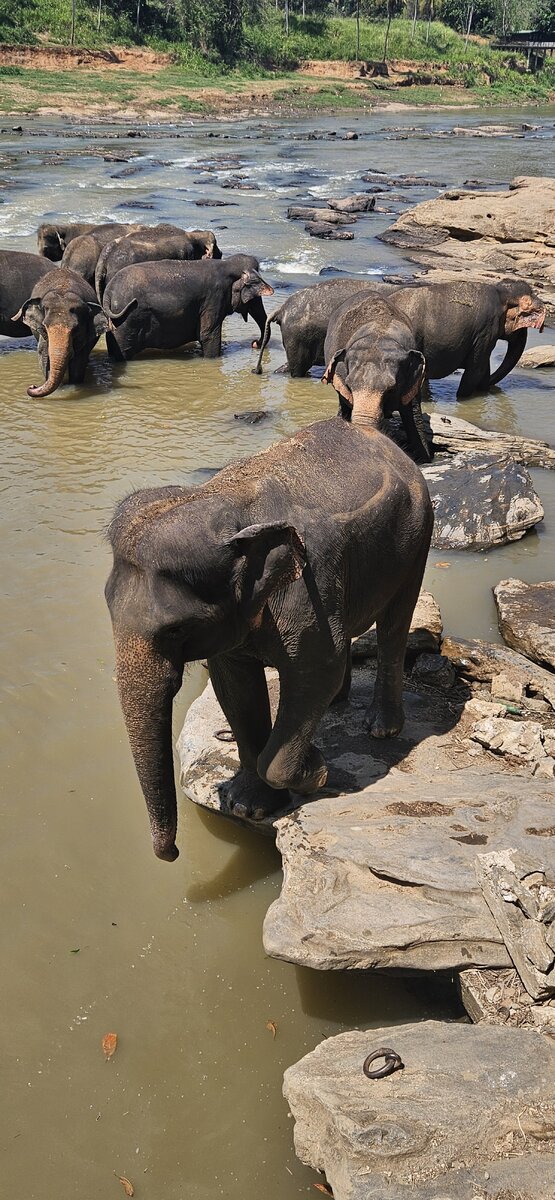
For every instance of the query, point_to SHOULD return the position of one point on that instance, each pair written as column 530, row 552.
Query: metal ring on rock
column 224, row 735
column 392, row 1063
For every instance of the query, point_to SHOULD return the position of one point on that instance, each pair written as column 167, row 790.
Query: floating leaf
column 445, row 565
column 109, row 1043
column 323, row 1187
column 126, row 1184
column 75, row 951
column 272, row 1027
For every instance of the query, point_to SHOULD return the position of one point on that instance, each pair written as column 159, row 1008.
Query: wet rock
column 323, row 229
column 299, row 213
column 453, row 434
column 240, row 185
column 480, row 501
column 538, row 356
column 470, row 1117
column 204, row 203
column 354, row 204
column 425, row 632
column 350, row 136
column 434, row 670
column 526, row 615
column 401, row 180
column 252, row 418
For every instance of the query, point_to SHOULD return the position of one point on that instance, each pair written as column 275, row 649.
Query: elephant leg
column 385, row 717
column 210, row 338
column 290, row 760
column 77, row 367
column 240, row 687
column 343, row 693
column 476, row 372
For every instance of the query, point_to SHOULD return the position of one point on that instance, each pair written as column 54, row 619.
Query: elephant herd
column 282, row 558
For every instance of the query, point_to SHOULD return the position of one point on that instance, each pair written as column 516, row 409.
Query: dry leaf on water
column 443, row 564
column 323, row 1187
column 127, row 1185
column 272, row 1027
column 109, row 1044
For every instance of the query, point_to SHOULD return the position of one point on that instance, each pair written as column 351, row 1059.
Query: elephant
column 53, row 238
column 19, row 273
column 67, row 320
column 146, row 245
column 167, row 304
column 279, row 560
column 82, row 253
column 303, row 319
column 375, row 367
column 459, row 322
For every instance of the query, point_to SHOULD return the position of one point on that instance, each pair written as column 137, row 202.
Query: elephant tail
column 116, row 318
column 257, row 370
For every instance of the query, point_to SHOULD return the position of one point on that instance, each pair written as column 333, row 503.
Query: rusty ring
column 225, row 735
column 392, row 1063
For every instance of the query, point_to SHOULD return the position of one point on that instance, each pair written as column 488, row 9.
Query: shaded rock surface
column 480, row 500
column 526, row 615
column 500, row 998
column 481, row 662
column 425, row 632
column 538, row 356
column 470, row 1117
column 486, row 233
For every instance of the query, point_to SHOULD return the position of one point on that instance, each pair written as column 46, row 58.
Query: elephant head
column 65, row 326
column 204, row 243
column 376, row 377
column 246, row 298
column 521, row 310
column 185, row 585
column 51, row 241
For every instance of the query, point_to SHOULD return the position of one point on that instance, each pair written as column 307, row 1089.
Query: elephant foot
column 247, row 796
column 256, row 343
column 308, row 778
column 385, row 720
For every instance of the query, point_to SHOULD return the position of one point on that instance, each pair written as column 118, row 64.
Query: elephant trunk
column 413, row 425
column 147, row 683
column 516, row 345
column 367, row 410
column 59, row 346
column 256, row 310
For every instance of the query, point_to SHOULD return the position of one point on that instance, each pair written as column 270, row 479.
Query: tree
column 544, row 18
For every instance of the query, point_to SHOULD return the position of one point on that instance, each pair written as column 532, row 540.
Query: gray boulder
column 481, row 500
column 470, row 1117
column 526, row 615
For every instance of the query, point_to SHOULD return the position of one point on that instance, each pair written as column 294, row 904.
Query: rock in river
column 471, row 1116
column 526, row 614
column 480, row 500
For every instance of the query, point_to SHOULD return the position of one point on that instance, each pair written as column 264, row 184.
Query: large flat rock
column 486, row 232
column 481, row 500
column 379, row 868
column 526, row 615
column 470, row 1117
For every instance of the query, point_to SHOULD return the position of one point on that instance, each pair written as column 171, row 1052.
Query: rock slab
column 480, row 500
column 470, row 1117
column 526, row 615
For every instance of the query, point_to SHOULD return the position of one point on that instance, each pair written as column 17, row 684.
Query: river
column 97, row 935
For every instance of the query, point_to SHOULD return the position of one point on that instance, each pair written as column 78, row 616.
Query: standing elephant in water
column 19, row 273
column 67, row 321
column 167, row 304
column 280, row 559
column 146, row 245
column 53, row 237
column 82, row 253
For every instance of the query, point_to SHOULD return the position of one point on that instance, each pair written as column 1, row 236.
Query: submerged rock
column 471, row 1116
column 480, row 500
column 322, row 229
column 526, row 615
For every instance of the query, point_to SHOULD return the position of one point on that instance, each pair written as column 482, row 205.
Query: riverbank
column 139, row 84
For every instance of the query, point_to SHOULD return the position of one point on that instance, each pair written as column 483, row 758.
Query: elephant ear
column 331, row 375
column 268, row 557
column 31, row 314
column 411, row 376
column 99, row 318
column 249, row 285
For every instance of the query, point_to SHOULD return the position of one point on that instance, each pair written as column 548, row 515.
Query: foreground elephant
column 67, row 321
column 458, row 324
column 18, row 275
column 278, row 560
column 147, row 245
column 303, row 319
column 53, row 237
column 375, row 368
column 167, row 304
column 82, row 253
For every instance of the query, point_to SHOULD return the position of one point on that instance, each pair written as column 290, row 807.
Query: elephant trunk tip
column 164, row 846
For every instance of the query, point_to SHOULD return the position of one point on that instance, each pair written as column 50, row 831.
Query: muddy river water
column 96, row 934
